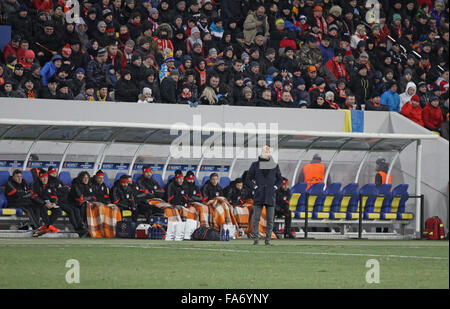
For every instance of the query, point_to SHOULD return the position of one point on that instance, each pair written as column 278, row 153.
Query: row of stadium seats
column 333, row 203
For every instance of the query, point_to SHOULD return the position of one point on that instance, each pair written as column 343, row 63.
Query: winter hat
column 146, row 90
column 34, row 67
column 100, row 24
column 153, row 11
column 106, row 13
column 415, row 98
column 299, row 81
column 29, row 54
column 101, row 52
column 135, row 57
column 66, row 50
column 246, row 90
column 10, row 58
column 195, row 30
column 80, row 70
column 212, row 50
column 271, row 70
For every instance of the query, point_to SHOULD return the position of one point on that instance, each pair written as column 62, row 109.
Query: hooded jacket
column 49, row 69
column 413, row 113
column 405, row 97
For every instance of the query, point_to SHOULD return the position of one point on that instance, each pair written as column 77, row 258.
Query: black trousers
column 33, row 211
column 50, row 219
column 74, row 214
column 284, row 211
column 148, row 210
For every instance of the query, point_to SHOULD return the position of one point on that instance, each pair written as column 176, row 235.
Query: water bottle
column 227, row 235
column 222, row 235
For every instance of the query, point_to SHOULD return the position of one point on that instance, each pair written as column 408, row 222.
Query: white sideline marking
column 149, row 246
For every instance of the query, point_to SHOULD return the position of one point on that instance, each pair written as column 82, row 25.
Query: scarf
column 340, row 68
column 31, row 94
column 202, row 76
column 186, row 95
column 99, row 97
column 320, row 21
column 332, row 104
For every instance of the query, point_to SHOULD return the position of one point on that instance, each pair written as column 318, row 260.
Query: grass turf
column 127, row 263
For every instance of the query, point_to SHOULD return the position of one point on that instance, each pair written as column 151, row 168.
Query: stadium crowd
column 326, row 54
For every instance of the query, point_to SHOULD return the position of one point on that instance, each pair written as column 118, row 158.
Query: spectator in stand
column 292, row 39
column 391, row 98
column 432, row 115
column 413, row 111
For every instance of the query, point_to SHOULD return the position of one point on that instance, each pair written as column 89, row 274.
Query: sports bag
column 157, row 232
column 434, row 229
column 126, row 229
column 205, row 233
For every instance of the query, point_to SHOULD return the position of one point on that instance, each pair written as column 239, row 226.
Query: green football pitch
column 237, row 264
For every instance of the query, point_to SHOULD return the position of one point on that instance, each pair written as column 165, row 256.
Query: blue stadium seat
column 345, row 204
column 118, row 175
column 107, row 181
column 224, row 182
column 368, row 194
column 65, row 178
column 394, row 208
column 136, row 176
column 332, row 197
column 3, row 201
column 4, row 176
column 315, row 202
column 205, row 179
column 158, row 179
column 28, row 177
column 297, row 199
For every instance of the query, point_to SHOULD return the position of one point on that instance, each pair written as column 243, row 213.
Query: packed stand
column 278, row 53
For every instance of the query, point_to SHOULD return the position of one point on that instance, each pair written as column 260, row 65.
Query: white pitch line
column 245, row 251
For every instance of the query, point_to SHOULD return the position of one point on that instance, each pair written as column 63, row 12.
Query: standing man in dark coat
column 266, row 175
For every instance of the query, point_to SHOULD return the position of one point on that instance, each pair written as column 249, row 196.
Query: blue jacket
column 392, row 100
column 49, row 69
column 327, row 53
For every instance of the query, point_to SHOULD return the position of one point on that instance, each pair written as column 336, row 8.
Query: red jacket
column 9, row 49
column 336, row 69
column 413, row 113
column 432, row 117
column 43, row 5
